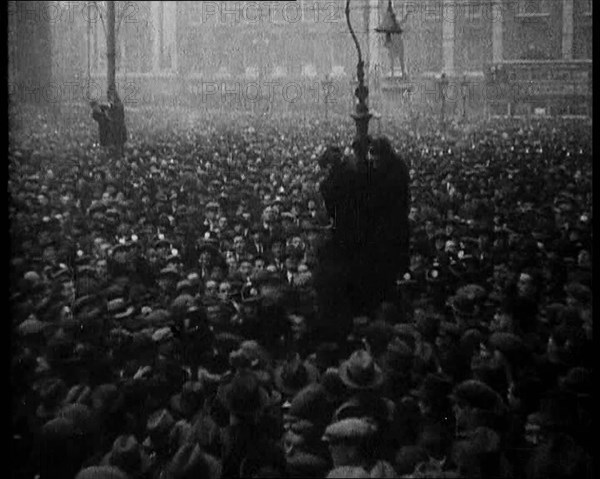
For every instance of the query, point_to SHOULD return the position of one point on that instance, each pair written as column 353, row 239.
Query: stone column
column 448, row 18
column 567, row 30
column 170, row 32
column 156, row 31
column 497, row 18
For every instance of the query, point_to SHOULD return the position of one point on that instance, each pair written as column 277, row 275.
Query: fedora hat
column 128, row 455
column 294, row 375
column 361, row 372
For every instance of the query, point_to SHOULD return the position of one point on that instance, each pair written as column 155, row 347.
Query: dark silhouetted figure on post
column 100, row 114
column 111, row 122
column 369, row 203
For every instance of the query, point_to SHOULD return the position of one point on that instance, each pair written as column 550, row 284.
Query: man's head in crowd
column 245, row 268
column 211, row 288
column 224, row 290
column 239, row 244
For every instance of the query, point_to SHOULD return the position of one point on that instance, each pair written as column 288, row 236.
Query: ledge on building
column 532, row 15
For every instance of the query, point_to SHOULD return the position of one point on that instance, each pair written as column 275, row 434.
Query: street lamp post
column 389, row 26
column 361, row 113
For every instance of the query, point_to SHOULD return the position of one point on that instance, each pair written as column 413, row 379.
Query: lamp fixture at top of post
column 389, row 25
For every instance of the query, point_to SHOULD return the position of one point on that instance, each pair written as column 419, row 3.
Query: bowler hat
column 361, row 372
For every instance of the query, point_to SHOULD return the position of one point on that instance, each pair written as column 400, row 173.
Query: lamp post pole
column 111, row 48
column 361, row 114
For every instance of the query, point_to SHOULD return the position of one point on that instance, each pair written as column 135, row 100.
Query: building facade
column 166, row 46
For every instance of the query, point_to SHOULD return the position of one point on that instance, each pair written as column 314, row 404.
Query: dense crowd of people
column 165, row 323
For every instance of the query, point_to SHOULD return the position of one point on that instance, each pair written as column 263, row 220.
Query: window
column 167, row 35
column 473, row 11
column 533, row 8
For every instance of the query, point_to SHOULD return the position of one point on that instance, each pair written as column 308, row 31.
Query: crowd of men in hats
column 165, row 322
